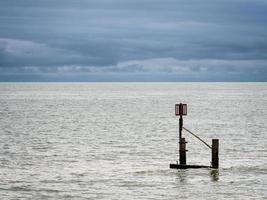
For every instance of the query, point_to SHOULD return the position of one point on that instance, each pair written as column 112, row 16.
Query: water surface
column 116, row 140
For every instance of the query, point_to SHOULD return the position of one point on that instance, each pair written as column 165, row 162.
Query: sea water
column 116, row 140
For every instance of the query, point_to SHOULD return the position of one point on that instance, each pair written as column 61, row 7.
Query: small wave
column 17, row 188
column 256, row 169
column 152, row 172
column 78, row 174
column 29, row 189
column 136, row 184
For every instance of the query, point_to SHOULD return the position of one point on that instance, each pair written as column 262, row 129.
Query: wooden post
column 182, row 151
column 215, row 153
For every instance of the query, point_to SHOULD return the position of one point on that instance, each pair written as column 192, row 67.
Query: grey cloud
column 165, row 65
column 15, row 53
column 104, row 34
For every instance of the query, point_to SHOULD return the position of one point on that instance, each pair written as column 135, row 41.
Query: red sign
column 180, row 109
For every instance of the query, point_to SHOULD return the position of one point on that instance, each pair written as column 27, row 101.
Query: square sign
column 180, row 109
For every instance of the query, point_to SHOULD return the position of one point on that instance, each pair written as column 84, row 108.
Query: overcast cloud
column 140, row 40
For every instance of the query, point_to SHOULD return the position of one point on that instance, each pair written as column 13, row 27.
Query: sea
column 117, row 140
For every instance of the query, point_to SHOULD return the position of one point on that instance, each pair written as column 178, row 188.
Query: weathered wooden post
column 182, row 151
column 215, row 153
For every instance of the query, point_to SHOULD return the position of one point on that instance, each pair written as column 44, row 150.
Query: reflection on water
column 181, row 175
column 187, row 175
column 214, row 174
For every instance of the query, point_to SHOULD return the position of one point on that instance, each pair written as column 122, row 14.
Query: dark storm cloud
column 123, row 36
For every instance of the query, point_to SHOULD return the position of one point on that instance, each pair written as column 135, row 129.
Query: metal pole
column 197, row 137
column 182, row 142
column 180, row 127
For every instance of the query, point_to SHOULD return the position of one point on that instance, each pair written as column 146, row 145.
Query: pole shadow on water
column 214, row 174
column 184, row 174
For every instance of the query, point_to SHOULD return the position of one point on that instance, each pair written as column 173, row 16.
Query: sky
column 133, row 40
